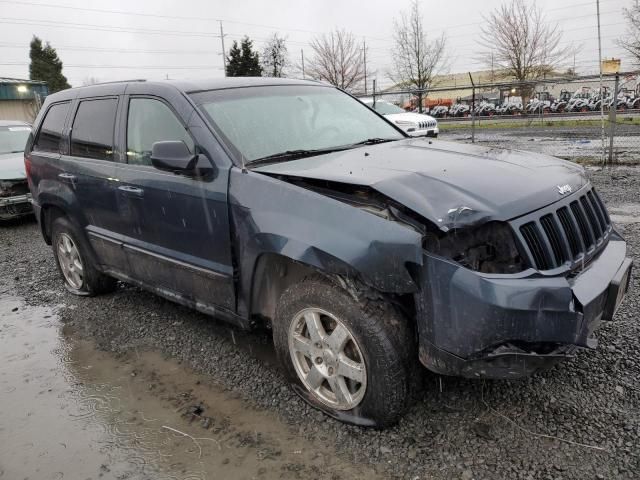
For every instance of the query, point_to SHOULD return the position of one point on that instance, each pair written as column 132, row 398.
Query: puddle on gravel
column 68, row 411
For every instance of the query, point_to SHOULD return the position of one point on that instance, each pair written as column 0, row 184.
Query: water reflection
column 70, row 411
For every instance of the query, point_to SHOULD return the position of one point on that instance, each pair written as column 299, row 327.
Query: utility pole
column 302, row 57
column 612, row 117
column 374, row 93
column 364, row 53
column 600, row 69
column 224, row 52
column 492, row 74
column 473, row 110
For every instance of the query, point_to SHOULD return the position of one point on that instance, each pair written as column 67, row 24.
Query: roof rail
column 117, row 81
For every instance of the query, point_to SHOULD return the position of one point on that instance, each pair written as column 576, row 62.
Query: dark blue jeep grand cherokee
column 292, row 205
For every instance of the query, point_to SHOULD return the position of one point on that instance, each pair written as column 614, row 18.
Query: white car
column 415, row 124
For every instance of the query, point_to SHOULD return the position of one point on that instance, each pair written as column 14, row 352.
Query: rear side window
column 93, row 127
column 51, row 131
column 151, row 121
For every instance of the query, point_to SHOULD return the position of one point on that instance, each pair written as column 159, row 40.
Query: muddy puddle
column 68, row 411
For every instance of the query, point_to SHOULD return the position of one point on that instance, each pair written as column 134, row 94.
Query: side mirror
column 174, row 156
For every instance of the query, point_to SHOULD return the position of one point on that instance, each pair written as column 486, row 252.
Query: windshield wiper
column 373, row 141
column 293, row 154
column 302, row 153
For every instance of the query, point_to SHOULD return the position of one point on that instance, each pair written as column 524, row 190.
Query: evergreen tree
column 234, row 61
column 46, row 66
column 243, row 61
column 250, row 59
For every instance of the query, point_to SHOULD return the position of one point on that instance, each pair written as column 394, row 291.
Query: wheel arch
column 48, row 213
column 273, row 274
column 282, row 272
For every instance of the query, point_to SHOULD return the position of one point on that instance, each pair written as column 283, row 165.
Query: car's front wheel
column 350, row 358
column 75, row 261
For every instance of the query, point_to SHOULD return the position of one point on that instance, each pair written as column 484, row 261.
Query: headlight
column 405, row 123
column 489, row 248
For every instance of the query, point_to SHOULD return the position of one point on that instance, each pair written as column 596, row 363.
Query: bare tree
column 275, row 57
column 417, row 59
column 520, row 43
column 337, row 59
column 631, row 42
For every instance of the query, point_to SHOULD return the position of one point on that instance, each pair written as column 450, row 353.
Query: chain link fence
column 582, row 118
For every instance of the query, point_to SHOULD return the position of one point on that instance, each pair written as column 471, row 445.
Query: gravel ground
column 580, row 143
column 580, row 420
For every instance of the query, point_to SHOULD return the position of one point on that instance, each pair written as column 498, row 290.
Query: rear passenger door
column 45, row 156
column 176, row 226
column 89, row 170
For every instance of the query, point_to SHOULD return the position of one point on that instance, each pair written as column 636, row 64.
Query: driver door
column 175, row 228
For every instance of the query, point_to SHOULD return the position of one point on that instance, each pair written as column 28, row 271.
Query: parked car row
column 583, row 100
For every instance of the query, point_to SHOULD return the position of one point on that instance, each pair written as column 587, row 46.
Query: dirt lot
column 130, row 386
column 581, row 143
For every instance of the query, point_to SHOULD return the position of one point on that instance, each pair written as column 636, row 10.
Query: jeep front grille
column 568, row 232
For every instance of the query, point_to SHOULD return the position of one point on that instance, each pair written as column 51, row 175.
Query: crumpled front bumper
column 509, row 326
column 16, row 206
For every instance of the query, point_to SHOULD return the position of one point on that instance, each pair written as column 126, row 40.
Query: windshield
column 385, row 108
column 13, row 139
column 263, row 121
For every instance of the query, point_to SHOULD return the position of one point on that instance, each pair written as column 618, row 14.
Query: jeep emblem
column 562, row 189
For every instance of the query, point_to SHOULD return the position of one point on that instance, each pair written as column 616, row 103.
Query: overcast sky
column 180, row 39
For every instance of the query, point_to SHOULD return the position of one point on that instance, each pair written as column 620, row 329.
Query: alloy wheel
column 70, row 261
column 327, row 359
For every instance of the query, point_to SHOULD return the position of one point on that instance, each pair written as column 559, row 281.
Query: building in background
column 21, row 99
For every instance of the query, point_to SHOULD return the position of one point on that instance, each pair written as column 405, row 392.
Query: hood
column 12, row 166
column 410, row 117
column 451, row 184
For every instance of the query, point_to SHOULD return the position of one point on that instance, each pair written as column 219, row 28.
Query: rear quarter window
column 93, row 129
column 50, row 134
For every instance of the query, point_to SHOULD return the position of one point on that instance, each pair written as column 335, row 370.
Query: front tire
column 75, row 261
column 350, row 358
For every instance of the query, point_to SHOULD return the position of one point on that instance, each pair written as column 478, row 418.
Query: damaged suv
column 291, row 205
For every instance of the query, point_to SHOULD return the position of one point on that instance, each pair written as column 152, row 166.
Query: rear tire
column 369, row 380
column 75, row 261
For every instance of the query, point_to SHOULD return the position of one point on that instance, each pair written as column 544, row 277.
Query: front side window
column 150, row 121
column 263, row 121
column 93, row 127
column 13, row 138
column 51, row 131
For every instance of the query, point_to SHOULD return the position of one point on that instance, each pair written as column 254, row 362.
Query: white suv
column 415, row 124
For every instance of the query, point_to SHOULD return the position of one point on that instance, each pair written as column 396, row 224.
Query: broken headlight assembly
column 489, row 248
column 11, row 188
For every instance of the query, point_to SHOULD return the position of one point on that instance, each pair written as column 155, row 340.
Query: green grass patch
column 531, row 122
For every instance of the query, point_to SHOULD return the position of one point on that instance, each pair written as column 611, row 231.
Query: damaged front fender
column 272, row 216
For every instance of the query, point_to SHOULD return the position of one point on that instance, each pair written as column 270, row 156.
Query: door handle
column 131, row 191
column 67, row 177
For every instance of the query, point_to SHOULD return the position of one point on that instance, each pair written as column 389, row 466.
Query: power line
column 273, row 27
column 131, row 67
column 109, row 28
column 170, row 17
column 109, row 50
